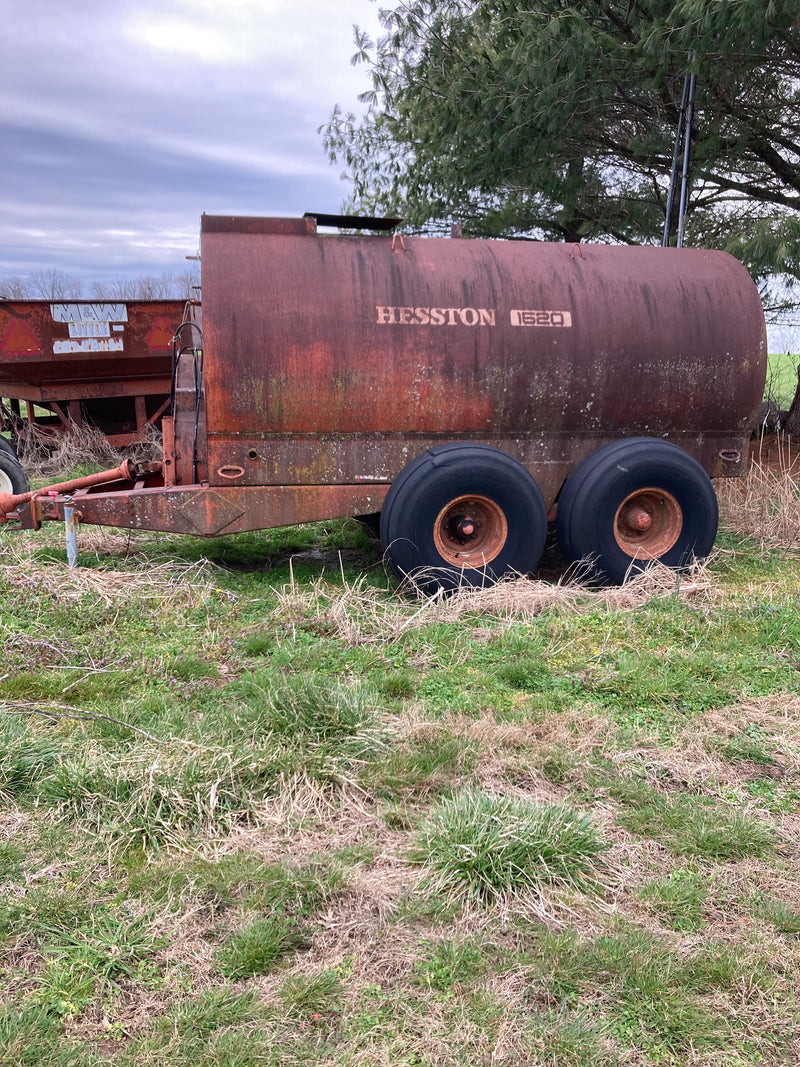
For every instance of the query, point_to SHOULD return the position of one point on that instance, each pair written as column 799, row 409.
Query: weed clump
column 480, row 847
column 24, row 758
column 257, row 947
column 319, row 710
column 318, row 728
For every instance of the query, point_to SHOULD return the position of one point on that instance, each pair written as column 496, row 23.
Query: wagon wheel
column 13, row 478
column 462, row 514
column 634, row 501
column 8, row 447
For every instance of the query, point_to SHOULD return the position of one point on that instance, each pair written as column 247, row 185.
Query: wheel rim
column 648, row 523
column 470, row 531
column 5, row 482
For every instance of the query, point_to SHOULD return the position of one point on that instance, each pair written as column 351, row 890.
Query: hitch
column 11, row 502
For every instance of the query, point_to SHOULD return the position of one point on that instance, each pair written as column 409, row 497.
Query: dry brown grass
column 359, row 613
column 520, row 598
column 765, row 504
column 696, row 758
column 104, row 542
column 170, row 582
column 51, row 455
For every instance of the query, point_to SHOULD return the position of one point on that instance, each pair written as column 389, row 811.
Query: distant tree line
column 57, row 285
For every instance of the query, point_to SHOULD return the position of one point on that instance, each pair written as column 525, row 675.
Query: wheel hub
column 639, row 519
column 462, row 528
column 470, row 531
column 648, row 523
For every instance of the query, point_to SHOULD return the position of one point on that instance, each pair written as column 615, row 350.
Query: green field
column 781, row 378
column 260, row 807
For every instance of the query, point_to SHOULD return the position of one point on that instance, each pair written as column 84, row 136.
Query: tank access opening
column 353, row 222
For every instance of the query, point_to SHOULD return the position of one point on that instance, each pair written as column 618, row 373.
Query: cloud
column 209, row 34
column 115, row 204
column 121, row 123
column 283, row 36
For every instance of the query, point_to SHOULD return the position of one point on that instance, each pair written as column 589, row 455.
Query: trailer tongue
column 463, row 388
column 11, row 502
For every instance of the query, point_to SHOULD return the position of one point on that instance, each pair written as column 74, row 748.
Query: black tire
column 633, row 501
column 462, row 514
column 13, row 478
column 7, row 446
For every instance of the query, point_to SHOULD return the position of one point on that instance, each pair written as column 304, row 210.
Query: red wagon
column 100, row 363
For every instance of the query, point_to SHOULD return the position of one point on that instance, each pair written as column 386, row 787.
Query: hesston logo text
column 400, row 316
column 408, row 316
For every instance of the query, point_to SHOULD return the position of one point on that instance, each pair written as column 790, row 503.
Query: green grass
column 314, row 997
column 781, row 378
column 257, row 947
column 480, row 847
column 689, row 825
column 263, row 810
column 678, row 900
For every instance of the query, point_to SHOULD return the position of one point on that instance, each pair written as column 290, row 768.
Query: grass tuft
column 481, row 847
column 315, row 708
column 215, row 1009
column 313, row 996
column 678, row 899
column 25, row 757
column 257, row 947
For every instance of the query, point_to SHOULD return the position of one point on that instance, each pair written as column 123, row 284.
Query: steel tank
column 338, row 358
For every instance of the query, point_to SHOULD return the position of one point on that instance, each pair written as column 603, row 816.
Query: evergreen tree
column 557, row 120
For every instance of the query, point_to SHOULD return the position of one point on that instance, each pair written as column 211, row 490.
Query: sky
column 122, row 121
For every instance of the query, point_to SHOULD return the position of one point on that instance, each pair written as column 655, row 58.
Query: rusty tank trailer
column 464, row 389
